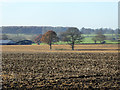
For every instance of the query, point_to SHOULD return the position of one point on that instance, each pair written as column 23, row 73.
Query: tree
column 94, row 39
column 99, row 37
column 49, row 37
column 72, row 35
column 37, row 39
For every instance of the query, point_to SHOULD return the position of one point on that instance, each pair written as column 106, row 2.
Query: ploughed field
column 35, row 67
column 60, row 70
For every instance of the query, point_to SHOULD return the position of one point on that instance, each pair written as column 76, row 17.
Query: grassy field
column 87, row 39
column 37, row 67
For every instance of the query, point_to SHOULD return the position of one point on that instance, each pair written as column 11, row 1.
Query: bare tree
column 71, row 36
column 99, row 37
column 94, row 39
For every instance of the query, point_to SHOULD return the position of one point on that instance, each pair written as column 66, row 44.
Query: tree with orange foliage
column 37, row 39
column 49, row 37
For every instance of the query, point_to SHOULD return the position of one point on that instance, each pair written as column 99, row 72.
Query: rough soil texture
column 60, row 70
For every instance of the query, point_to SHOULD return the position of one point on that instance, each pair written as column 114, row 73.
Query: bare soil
column 60, row 70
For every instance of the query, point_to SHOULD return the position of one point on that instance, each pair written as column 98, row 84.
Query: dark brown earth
column 60, row 70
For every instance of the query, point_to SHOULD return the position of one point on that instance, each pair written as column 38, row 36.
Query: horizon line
column 54, row 26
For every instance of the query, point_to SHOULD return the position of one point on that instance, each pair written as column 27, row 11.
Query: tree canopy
column 71, row 36
column 99, row 37
column 49, row 37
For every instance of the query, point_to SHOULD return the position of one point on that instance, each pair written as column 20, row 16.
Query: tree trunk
column 73, row 46
column 50, row 46
column 95, row 41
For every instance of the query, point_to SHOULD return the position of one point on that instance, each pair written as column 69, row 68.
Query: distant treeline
column 58, row 30
column 30, row 29
column 102, row 30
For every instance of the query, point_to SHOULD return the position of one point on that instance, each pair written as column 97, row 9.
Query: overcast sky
column 75, row 13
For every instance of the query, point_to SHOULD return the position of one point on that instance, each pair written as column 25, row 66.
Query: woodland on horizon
column 43, row 29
